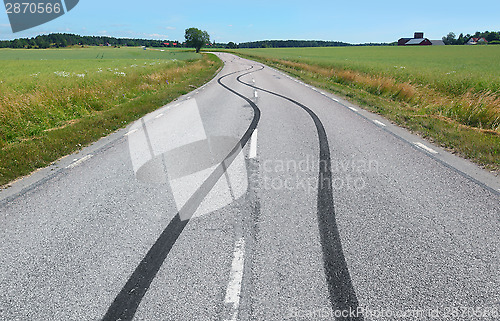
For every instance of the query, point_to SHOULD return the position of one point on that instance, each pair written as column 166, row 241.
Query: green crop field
column 453, row 69
column 42, row 89
column 25, row 66
column 54, row 101
column 76, row 53
column 449, row 94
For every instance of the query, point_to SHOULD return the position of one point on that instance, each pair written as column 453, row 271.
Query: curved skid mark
column 127, row 301
column 341, row 291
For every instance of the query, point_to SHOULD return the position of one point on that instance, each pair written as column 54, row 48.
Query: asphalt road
column 255, row 197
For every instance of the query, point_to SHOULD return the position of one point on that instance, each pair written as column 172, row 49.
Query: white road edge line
column 80, row 161
column 352, row 108
column 428, row 149
column 236, row 278
column 160, row 115
column 335, row 99
column 131, row 132
column 379, row 123
column 253, row 145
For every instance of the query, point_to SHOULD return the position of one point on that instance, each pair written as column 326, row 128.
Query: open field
column 449, row 94
column 54, row 101
column 451, row 69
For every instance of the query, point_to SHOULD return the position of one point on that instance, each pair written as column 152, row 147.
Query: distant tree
column 195, row 38
column 450, row 39
column 31, row 43
column 18, row 43
column 231, row 45
column 42, row 42
column 491, row 36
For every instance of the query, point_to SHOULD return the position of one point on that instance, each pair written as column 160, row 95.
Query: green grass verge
column 129, row 98
column 401, row 104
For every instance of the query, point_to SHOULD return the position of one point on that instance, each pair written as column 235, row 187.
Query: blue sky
column 354, row 21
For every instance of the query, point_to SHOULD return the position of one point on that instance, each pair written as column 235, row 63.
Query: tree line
column 492, row 37
column 289, row 44
column 299, row 44
column 60, row 40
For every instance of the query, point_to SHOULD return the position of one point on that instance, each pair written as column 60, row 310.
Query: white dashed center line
column 233, row 292
column 253, row 145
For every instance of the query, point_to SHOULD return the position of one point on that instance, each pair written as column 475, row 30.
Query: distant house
column 419, row 40
column 477, row 41
column 403, row 41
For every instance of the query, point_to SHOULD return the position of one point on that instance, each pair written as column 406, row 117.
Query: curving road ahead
column 255, row 197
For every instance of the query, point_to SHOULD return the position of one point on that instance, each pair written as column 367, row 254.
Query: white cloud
column 134, row 34
column 170, row 28
column 156, row 35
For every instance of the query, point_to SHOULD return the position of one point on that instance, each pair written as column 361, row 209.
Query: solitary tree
column 195, row 38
